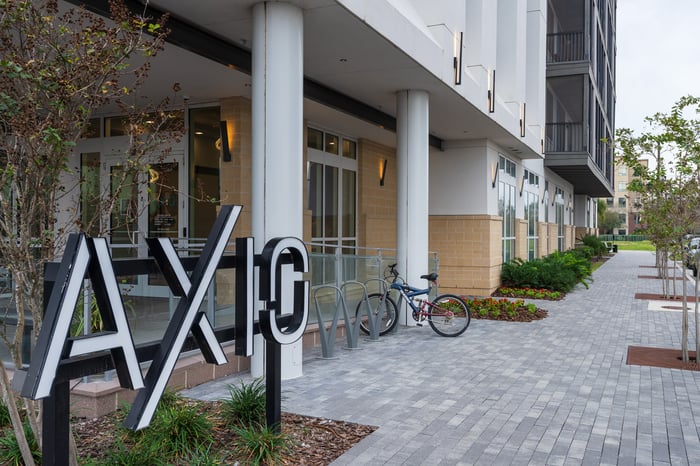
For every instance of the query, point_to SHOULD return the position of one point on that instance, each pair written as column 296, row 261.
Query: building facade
column 580, row 110
column 469, row 131
column 625, row 203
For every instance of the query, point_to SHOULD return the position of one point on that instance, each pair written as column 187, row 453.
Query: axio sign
column 90, row 257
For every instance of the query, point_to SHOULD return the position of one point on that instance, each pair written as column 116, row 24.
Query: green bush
column 596, row 244
column 10, row 453
column 560, row 271
column 260, row 445
column 177, row 430
column 246, row 405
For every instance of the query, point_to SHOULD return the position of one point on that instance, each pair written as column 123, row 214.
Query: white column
column 277, row 141
column 412, row 128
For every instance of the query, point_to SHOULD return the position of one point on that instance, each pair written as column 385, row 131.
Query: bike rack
column 355, row 326
column 328, row 334
column 375, row 319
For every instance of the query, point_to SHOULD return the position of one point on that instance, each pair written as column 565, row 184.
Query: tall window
column 506, row 206
column 332, row 177
column 532, row 201
column 559, row 212
column 204, row 140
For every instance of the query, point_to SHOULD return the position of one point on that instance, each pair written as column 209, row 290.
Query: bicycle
column 448, row 315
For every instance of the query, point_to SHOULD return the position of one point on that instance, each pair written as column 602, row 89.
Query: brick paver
column 551, row 392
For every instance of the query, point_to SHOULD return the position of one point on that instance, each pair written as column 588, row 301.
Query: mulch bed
column 660, row 357
column 660, row 297
column 658, row 278
column 316, row 441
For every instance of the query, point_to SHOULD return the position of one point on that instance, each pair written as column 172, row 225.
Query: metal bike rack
column 373, row 319
column 354, row 326
column 328, row 334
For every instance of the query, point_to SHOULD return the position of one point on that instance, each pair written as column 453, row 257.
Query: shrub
column 596, row 244
column 246, row 405
column 10, row 453
column 557, row 272
column 260, row 445
column 177, row 429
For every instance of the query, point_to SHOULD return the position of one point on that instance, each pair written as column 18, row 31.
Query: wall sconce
column 522, row 185
column 522, row 120
column 542, row 139
column 457, row 61
column 545, row 196
column 382, row 171
column 494, row 174
column 225, row 148
column 491, row 94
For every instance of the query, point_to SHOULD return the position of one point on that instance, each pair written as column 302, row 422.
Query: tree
column 56, row 70
column 670, row 190
column 609, row 222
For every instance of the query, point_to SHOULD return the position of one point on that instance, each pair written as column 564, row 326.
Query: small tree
column 671, row 189
column 56, row 69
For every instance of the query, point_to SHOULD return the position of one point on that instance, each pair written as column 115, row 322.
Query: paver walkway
column 556, row 391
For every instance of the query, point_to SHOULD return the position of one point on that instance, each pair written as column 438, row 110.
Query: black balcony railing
column 564, row 137
column 565, row 47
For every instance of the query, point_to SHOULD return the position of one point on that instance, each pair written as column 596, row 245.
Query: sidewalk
column 555, row 391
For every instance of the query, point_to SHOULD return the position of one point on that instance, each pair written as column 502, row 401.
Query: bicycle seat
column 432, row 277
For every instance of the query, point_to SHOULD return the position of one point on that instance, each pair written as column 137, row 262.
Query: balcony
column 565, row 47
column 564, row 137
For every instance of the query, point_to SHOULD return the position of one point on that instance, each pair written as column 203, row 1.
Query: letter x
column 186, row 316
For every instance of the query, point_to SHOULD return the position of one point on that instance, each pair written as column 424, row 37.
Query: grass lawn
column 634, row 246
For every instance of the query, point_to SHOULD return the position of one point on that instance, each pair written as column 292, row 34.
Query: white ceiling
column 340, row 52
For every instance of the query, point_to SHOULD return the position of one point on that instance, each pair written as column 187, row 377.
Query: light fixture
column 225, row 148
column 545, row 195
column 457, row 61
column 522, row 120
column 491, row 93
column 494, row 174
column 382, row 171
column 522, row 185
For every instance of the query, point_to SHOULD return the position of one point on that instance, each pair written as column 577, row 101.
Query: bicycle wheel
column 449, row 316
column 378, row 302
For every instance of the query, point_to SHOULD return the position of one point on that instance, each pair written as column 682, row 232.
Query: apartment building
column 626, row 204
column 471, row 131
column 580, row 110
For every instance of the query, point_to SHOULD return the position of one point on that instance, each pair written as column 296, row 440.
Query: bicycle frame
column 408, row 292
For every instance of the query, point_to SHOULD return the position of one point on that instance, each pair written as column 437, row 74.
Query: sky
column 658, row 57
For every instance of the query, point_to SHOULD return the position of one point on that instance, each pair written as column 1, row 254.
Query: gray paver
column 557, row 391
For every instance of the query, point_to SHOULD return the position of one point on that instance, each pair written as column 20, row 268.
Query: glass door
column 148, row 204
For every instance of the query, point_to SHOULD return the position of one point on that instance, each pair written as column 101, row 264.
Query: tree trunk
column 17, row 427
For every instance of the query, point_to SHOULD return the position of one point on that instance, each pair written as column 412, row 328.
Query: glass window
column 204, row 179
column 506, row 209
column 559, row 212
column 532, row 202
column 622, row 171
column 622, row 186
column 622, row 202
column 609, row 201
column 314, row 138
column 349, row 149
column 332, row 145
column 332, row 200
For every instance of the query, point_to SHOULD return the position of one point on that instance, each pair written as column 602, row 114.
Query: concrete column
column 412, row 184
column 277, row 141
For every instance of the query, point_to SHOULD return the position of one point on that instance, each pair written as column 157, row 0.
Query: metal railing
column 565, row 47
column 564, row 137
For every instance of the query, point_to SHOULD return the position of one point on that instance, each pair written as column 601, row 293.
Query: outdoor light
column 491, row 93
column 522, row 185
column 225, row 148
column 457, row 62
column 382, row 171
column 494, row 174
column 522, row 120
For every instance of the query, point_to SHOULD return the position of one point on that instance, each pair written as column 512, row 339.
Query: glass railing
column 149, row 303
